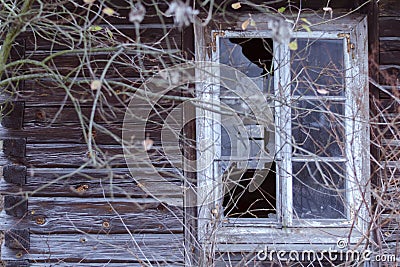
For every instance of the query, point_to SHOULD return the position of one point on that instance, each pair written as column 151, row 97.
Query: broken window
column 296, row 166
column 287, row 160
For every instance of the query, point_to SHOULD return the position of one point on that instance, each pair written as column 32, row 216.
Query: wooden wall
column 388, row 236
column 96, row 215
column 101, row 216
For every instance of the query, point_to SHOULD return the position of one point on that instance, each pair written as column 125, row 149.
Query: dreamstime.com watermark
column 330, row 254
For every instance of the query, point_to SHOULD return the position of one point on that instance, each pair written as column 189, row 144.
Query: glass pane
column 318, row 68
column 318, row 128
column 225, row 143
column 318, row 190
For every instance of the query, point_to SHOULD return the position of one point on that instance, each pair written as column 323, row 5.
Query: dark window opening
column 258, row 51
column 252, row 56
column 239, row 202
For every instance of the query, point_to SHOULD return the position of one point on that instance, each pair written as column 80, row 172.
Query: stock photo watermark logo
column 339, row 253
column 205, row 108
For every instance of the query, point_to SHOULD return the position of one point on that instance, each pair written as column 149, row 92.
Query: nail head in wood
column 13, row 115
column 14, row 147
column 17, row 239
column 15, row 206
column 15, row 174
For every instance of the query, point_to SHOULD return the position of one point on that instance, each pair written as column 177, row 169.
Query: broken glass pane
column 253, row 57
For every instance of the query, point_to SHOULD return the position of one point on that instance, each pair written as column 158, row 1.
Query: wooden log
column 390, row 58
column 126, row 65
column 160, row 36
column 97, row 215
column 389, row 74
column 388, row 44
column 15, row 147
column 17, row 239
column 17, row 50
column 16, row 206
column 96, row 264
column 67, row 133
column 87, row 183
column 14, row 174
column 389, row 8
column 60, row 13
column 254, row 237
column 76, row 155
column 389, row 26
column 73, row 133
column 101, row 248
column 24, row 263
column 54, row 115
column 47, row 92
column 13, row 115
column 61, row 115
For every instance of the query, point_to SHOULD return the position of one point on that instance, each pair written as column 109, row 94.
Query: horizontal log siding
column 389, row 121
column 99, row 215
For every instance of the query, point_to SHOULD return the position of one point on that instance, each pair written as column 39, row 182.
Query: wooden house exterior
column 71, row 198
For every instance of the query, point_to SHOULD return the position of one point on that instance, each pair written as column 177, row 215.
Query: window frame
column 356, row 107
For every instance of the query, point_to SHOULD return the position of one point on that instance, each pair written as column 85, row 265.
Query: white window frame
column 212, row 225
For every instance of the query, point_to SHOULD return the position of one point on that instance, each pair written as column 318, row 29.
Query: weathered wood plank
column 388, row 44
column 389, row 74
column 15, row 206
column 71, row 155
column 155, row 35
column 389, row 123
column 101, row 215
column 390, row 148
column 129, row 65
column 66, row 114
column 13, row 115
column 389, row 26
column 109, row 134
column 74, row 156
column 99, row 248
column 53, row 115
column 17, row 239
column 73, row 134
column 87, row 183
column 122, row 9
column 255, row 236
column 14, row 174
column 23, row 263
column 389, row 58
column 47, row 92
column 389, row 8
column 14, row 147
column 106, row 264
column 389, row 105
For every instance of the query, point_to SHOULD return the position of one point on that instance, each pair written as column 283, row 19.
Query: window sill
column 298, row 223
column 250, row 239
